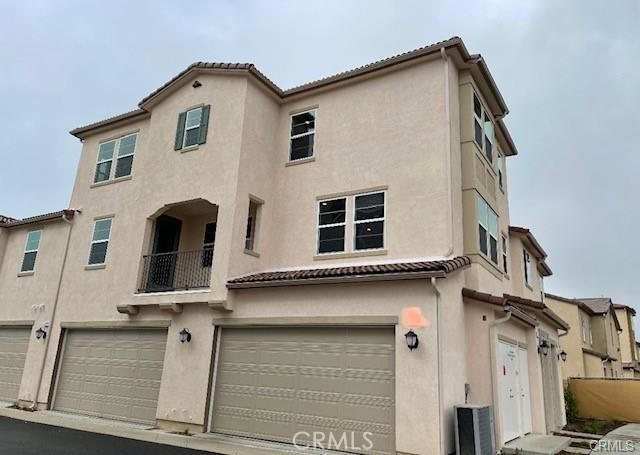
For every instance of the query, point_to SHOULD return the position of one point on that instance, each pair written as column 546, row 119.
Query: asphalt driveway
column 18, row 437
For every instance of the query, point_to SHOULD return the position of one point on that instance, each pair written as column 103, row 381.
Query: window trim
column 93, row 231
column 528, row 268
column 26, row 244
column 355, row 222
column 254, row 225
column 296, row 136
column 485, row 225
column 114, row 159
column 501, row 163
column 344, row 223
column 481, row 121
column 505, row 253
column 186, row 128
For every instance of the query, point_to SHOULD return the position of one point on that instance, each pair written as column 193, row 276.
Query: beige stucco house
column 628, row 346
column 593, row 348
column 237, row 257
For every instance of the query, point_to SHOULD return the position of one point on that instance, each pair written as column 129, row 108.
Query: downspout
column 493, row 340
column 439, row 361
column 447, row 108
column 34, row 405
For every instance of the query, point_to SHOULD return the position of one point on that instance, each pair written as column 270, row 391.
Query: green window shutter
column 182, row 118
column 204, row 124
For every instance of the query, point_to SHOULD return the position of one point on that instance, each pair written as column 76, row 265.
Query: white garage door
column 114, row 374
column 13, row 350
column 274, row 383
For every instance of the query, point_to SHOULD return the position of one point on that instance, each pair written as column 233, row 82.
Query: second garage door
column 113, row 374
column 274, row 383
column 13, row 351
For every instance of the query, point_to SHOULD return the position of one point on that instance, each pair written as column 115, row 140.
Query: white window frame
column 485, row 225
column 186, row 129
column 505, row 253
column 26, row 244
column 296, row 136
column 114, row 158
column 383, row 219
column 500, row 168
column 93, row 231
column 253, row 237
column 480, row 120
column 319, row 226
column 528, row 268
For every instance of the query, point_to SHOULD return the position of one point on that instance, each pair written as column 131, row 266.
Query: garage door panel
column 14, row 342
column 274, row 382
column 111, row 373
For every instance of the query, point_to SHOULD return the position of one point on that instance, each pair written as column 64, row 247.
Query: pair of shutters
column 204, row 126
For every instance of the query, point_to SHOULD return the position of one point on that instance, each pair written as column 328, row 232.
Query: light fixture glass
column 544, row 347
column 41, row 333
column 185, row 335
column 563, row 356
column 412, row 339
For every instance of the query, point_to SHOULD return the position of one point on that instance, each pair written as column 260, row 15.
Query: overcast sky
column 569, row 71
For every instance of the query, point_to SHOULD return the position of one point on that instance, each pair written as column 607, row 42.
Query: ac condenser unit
column 474, row 430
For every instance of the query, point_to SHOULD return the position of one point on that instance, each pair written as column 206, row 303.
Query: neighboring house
column 628, row 346
column 593, row 349
column 240, row 256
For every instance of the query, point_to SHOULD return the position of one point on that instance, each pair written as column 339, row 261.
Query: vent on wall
column 474, row 430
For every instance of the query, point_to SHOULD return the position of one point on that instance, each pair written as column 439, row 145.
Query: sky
column 568, row 70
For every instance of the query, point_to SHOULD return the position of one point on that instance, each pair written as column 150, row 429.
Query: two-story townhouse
column 628, row 347
column 593, row 348
column 241, row 254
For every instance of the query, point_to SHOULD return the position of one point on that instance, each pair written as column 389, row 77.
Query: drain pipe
column 434, row 284
column 34, row 405
column 447, row 108
column 493, row 339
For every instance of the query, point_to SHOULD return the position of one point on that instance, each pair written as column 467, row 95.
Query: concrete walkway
column 536, row 444
column 621, row 441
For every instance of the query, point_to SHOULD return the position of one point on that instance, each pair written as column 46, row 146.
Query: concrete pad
column 577, row 434
column 620, row 441
column 577, row 450
column 537, row 444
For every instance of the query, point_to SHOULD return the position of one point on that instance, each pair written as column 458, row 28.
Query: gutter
column 447, row 108
column 67, row 219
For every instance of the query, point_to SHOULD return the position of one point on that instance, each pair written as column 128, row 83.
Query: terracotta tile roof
column 602, row 355
column 6, row 219
column 401, row 270
column 474, row 61
column 618, row 306
column 137, row 113
column 527, row 233
column 518, row 302
column 601, row 305
column 40, row 218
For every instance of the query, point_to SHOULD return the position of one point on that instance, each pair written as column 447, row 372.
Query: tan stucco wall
column 627, row 336
column 593, row 366
column 571, row 342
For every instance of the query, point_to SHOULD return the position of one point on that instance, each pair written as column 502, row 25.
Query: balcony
column 176, row 271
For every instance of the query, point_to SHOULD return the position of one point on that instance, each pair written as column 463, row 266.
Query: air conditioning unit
column 474, row 430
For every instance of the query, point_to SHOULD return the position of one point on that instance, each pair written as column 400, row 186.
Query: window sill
column 255, row 254
column 191, row 148
column 95, row 267
column 310, row 159
column 30, row 273
column 109, row 182
column 529, row 286
column 347, row 255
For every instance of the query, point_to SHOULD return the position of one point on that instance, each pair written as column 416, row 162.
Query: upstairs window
column 527, row 267
column 332, row 215
column 505, row 255
column 192, row 127
column 123, row 150
column 487, row 229
column 369, row 221
column 483, row 128
column 500, row 170
column 303, row 127
column 208, row 244
column 31, row 251
column 100, row 241
column 252, row 220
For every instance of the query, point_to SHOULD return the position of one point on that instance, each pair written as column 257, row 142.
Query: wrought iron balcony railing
column 179, row 270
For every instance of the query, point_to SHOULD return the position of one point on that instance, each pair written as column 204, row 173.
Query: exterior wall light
column 544, row 347
column 412, row 339
column 185, row 335
column 41, row 334
column 563, row 356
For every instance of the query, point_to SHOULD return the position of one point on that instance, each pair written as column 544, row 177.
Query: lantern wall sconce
column 544, row 347
column 563, row 356
column 185, row 335
column 41, row 334
column 412, row 340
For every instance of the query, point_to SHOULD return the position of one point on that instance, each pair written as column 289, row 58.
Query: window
column 331, row 225
column 208, row 244
column 487, row 229
column 500, row 170
column 31, row 251
column 369, row 221
column 483, row 128
column 252, row 219
column 100, row 241
column 527, row 267
column 123, row 148
column 192, row 127
column 504, row 255
column 303, row 127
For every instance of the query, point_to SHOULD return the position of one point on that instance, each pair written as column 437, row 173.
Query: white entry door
column 509, row 391
column 525, row 400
